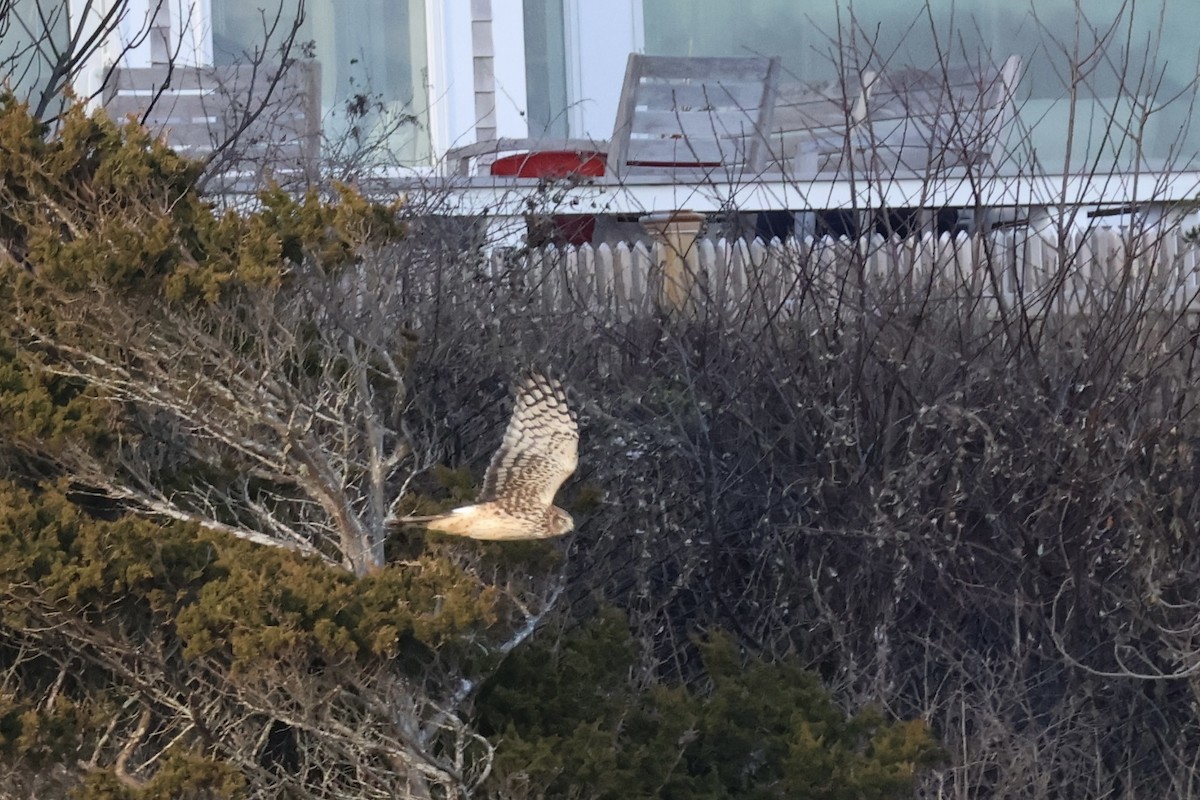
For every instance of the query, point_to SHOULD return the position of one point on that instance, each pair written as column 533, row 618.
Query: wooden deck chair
column 813, row 124
column 675, row 113
column 197, row 109
column 922, row 121
column 693, row 113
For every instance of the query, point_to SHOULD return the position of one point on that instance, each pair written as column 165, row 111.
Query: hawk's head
column 559, row 521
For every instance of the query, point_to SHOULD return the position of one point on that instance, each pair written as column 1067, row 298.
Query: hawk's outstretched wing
column 539, row 450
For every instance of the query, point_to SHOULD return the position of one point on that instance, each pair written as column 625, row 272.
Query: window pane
column 373, row 64
column 1130, row 103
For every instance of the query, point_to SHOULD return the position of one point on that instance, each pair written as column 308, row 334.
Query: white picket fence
column 1004, row 272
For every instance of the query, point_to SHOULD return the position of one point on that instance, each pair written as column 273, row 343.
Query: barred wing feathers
column 539, row 451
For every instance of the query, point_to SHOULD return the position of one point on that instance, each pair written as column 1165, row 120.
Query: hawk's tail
column 396, row 522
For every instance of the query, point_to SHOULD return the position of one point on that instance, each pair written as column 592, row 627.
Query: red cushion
column 550, row 164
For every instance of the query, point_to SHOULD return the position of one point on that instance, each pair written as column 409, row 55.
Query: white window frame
column 451, row 98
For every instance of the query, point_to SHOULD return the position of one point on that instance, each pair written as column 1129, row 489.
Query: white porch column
column 599, row 39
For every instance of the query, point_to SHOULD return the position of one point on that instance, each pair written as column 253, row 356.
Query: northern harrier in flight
column 539, row 452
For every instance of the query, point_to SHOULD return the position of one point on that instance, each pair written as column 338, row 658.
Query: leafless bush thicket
column 975, row 511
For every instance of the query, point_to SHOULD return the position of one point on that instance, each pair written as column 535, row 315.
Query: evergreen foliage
column 572, row 719
column 97, row 615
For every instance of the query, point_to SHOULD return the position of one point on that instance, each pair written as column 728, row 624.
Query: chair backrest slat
column 680, row 112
